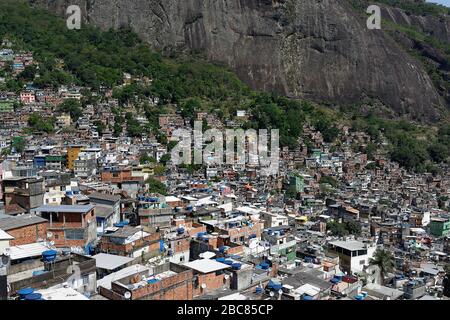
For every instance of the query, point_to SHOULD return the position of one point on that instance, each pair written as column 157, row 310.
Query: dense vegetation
column 93, row 58
column 156, row 186
column 344, row 229
column 417, row 7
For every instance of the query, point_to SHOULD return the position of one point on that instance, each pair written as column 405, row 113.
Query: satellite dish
column 5, row 260
column 49, row 234
column 280, row 292
column 127, row 295
column 226, row 276
column 272, row 293
column 203, row 285
column 133, row 243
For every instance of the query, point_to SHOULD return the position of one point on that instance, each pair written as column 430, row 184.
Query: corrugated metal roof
column 110, row 261
column 64, row 208
column 10, row 223
column 27, row 250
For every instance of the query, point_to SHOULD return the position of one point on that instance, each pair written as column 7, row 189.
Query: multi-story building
column 439, row 227
column 72, row 154
column 353, row 255
column 69, row 226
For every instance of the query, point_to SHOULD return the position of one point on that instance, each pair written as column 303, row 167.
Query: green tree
column 353, row 227
column 72, row 107
column 384, row 260
column 39, row 123
column 145, row 159
column 156, row 186
column 337, row 229
column 190, row 107
column 100, row 126
column 18, row 143
column 134, row 128
column 329, row 180
column 165, row 159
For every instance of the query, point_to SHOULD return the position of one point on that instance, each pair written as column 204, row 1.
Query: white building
column 353, row 255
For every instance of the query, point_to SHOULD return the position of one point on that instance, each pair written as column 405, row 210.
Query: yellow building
column 63, row 121
column 72, row 154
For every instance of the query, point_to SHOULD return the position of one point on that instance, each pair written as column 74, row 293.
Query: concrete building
column 353, row 255
column 69, row 226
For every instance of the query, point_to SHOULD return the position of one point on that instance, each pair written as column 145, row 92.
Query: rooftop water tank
column 228, row 262
column 152, row 281
column 33, row 296
column 38, row 272
column 49, row 255
column 236, row 266
column 25, row 291
column 264, row 265
column 180, row 230
column 221, row 260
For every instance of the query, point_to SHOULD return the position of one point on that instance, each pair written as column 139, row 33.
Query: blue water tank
column 221, row 260
column 359, row 297
column 259, row 290
column 180, row 230
column 33, row 296
column 25, row 291
column 236, row 266
column 306, row 297
column 49, row 255
column 228, row 262
column 152, row 281
column 335, row 279
column 38, row 272
column 264, row 265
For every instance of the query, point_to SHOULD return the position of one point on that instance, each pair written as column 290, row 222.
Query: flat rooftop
column 110, row 261
column 206, row 265
column 64, row 208
column 352, row 245
column 61, row 294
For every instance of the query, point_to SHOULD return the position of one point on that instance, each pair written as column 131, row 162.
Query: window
column 74, row 234
column 85, row 279
column 182, row 259
column 361, row 262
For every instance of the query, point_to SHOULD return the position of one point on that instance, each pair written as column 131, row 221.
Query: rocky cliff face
column 313, row 49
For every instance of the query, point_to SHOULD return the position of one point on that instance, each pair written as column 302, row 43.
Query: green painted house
column 440, row 227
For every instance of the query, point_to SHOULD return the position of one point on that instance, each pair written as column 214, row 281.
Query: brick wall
column 152, row 241
column 212, row 281
column 180, row 245
column 28, row 234
column 177, row 287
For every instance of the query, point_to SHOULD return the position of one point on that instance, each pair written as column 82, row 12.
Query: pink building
column 27, row 97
